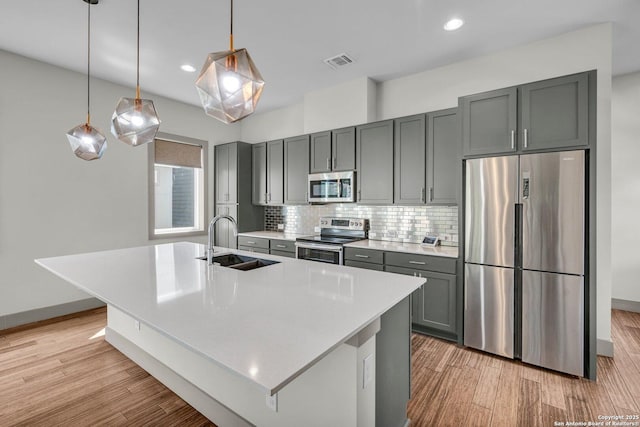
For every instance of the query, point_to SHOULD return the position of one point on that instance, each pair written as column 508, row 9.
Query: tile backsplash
column 395, row 223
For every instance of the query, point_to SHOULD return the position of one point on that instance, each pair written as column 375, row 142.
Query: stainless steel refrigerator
column 525, row 258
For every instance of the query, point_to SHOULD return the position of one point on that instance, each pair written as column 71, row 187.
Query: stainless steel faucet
column 212, row 233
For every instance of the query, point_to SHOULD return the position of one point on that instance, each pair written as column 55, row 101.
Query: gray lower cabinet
column 444, row 158
column 364, row 258
column 225, row 236
column 374, row 163
column 285, row 248
column 296, row 170
column 253, row 242
column 410, row 152
column 267, row 164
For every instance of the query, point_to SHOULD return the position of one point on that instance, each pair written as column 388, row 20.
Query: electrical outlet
column 316, row 229
column 280, row 227
column 272, row 402
column 368, row 367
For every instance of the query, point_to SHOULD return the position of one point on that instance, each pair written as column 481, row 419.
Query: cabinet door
column 224, row 230
column 275, row 172
column 444, row 163
column 296, row 169
column 410, row 143
column 374, row 155
column 343, row 149
column 489, row 122
column 222, row 173
column 259, row 174
column 320, row 152
column 554, row 113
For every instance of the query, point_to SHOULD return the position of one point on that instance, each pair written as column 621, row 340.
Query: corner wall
column 52, row 203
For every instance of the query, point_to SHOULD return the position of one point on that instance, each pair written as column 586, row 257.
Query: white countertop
column 281, row 235
column 268, row 325
column 413, row 248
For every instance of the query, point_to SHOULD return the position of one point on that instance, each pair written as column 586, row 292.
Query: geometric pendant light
column 87, row 142
column 135, row 120
column 229, row 84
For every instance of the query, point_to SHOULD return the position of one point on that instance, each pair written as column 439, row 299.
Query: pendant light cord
column 231, row 29
column 88, row 61
column 138, row 56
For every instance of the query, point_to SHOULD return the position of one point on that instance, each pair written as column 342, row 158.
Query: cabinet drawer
column 253, row 242
column 366, row 265
column 283, row 253
column 254, row 249
column 283, row 245
column 366, row 255
column 421, row 262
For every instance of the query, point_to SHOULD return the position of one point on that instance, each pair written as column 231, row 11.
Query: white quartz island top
column 412, row 248
column 280, row 235
column 268, row 325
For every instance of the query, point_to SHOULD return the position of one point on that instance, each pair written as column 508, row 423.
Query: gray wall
column 52, row 203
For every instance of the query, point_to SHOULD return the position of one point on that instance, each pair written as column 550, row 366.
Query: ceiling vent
column 339, row 61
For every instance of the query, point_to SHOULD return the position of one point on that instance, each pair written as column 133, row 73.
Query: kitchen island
column 288, row 344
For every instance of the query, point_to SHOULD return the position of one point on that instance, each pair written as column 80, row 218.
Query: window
column 177, row 180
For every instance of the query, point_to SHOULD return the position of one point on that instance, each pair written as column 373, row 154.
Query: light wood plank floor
column 64, row 373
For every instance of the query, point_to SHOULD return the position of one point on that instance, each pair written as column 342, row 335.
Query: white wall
column 52, row 203
column 577, row 51
column 275, row 124
column 625, row 186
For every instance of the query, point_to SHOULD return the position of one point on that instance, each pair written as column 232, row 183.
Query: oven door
column 330, row 254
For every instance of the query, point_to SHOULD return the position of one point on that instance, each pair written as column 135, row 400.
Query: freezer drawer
column 489, row 309
column 553, row 321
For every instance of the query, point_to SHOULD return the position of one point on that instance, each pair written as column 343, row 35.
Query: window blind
column 178, row 154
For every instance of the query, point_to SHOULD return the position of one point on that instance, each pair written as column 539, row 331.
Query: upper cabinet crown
column 546, row 115
column 333, row 150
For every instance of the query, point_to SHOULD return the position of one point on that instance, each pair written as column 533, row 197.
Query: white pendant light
column 229, row 84
column 87, row 142
column 135, row 121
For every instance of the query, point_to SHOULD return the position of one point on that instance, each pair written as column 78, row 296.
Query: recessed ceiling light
column 188, row 68
column 453, row 24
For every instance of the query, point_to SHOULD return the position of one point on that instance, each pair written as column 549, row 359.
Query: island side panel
column 393, row 366
column 329, row 393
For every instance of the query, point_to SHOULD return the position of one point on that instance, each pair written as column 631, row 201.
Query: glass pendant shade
column 87, row 142
column 135, row 121
column 229, row 85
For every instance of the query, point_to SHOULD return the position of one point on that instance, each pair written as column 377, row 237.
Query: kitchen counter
column 414, row 248
column 267, row 325
column 281, row 235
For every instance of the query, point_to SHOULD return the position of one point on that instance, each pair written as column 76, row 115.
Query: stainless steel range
column 334, row 233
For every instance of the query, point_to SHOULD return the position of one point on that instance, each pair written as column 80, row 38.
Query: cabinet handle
column 513, row 139
column 431, row 194
column 328, row 164
column 334, row 163
column 281, row 246
column 422, row 195
column 251, row 242
column 362, row 256
column 526, row 138
column 269, row 196
column 418, row 262
column 359, row 195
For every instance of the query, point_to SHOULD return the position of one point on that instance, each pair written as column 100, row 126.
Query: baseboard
column 44, row 313
column 604, row 348
column 626, row 305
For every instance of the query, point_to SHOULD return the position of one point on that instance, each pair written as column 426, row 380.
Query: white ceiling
column 289, row 39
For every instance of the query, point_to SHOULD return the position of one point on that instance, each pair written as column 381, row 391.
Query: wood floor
column 65, row 374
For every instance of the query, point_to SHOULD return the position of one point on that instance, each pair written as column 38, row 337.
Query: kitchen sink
column 240, row 262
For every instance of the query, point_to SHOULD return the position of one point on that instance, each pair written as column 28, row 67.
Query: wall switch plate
column 368, row 368
column 136, row 324
column 272, row 402
column 316, row 229
column 280, row 227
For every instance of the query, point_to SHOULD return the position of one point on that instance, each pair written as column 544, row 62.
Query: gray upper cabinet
column 489, row 122
column 320, row 152
column 374, row 163
column 275, row 172
column 554, row 113
column 410, row 149
column 444, row 163
column 226, row 156
column 333, row 150
column 343, row 149
column 267, row 165
column 296, row 169
column 259, row 174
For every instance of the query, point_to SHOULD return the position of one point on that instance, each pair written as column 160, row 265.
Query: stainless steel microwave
column 332, row 187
